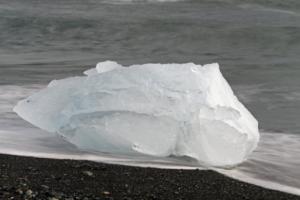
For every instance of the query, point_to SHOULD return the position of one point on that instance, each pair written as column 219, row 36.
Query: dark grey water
column 257, row 44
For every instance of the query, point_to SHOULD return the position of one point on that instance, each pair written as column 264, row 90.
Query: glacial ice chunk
column 154, row 109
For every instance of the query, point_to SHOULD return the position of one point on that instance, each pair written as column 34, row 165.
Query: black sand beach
column 36, row 178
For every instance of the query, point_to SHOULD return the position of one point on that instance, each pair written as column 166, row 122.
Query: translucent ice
column 155, row 109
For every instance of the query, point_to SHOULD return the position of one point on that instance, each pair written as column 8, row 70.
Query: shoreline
column 42, row 178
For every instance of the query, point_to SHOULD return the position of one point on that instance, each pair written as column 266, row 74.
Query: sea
column 256, row 43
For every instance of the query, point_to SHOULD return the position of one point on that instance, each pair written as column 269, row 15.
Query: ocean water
column 256, row 42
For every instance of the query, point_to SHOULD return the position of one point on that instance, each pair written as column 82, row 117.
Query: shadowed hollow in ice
column 155, row 109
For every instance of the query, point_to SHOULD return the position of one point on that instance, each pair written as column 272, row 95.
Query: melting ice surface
column 154, row 109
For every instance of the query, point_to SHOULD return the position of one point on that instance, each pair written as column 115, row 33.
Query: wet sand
column 50, row 179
